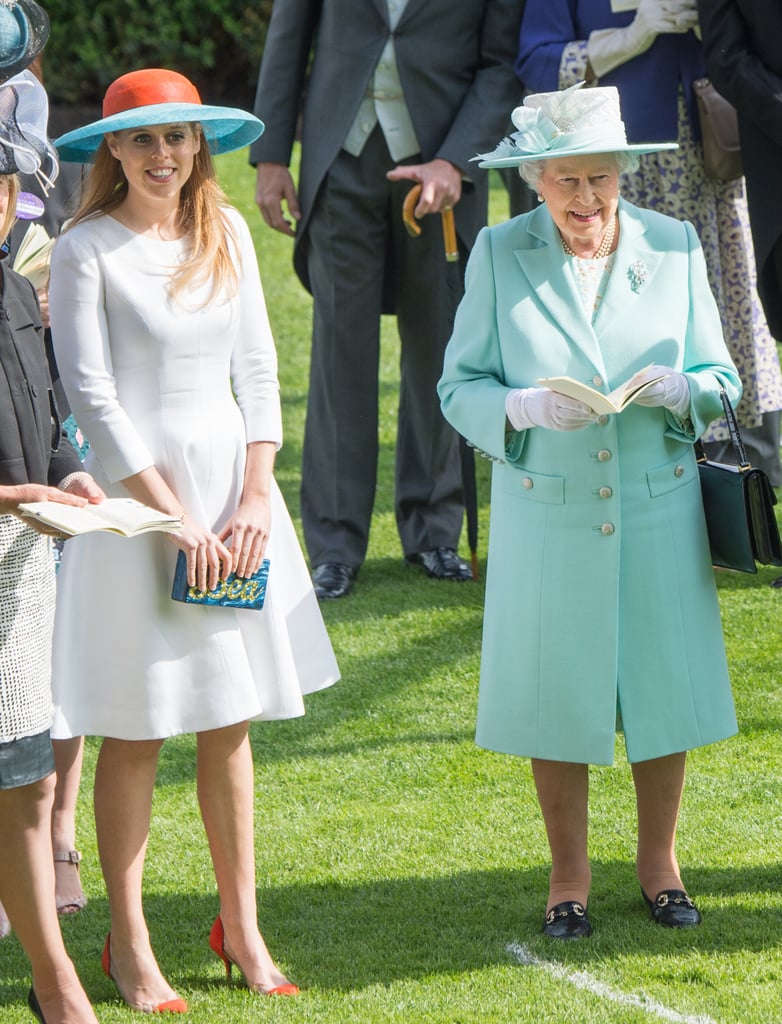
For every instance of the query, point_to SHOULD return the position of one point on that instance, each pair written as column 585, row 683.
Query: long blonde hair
column 10, row 213
column 202, row 205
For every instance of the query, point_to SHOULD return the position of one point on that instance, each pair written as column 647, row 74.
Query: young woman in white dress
column 167, row 358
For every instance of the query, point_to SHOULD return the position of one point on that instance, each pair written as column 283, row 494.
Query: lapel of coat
column 635, row 266
column 410, row 8
column 382, row 9
column 551, row 280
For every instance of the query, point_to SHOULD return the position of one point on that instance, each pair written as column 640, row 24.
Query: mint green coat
column 601, row 608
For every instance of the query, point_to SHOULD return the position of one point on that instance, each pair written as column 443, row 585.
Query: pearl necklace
column 603, row 249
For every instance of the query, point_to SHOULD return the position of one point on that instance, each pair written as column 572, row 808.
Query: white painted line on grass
column 582, row 980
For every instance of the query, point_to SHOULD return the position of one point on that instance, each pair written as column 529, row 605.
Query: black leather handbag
column 739, row 505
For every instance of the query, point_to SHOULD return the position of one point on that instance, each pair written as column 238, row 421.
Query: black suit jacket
column 33, row 448
column 455, row 60
column 742, row 41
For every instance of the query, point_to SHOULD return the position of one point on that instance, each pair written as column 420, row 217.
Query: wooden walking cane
column 466, row 453
column 446, row 216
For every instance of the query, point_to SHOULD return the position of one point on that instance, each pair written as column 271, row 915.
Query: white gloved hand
column 610, row 47
column 541, row 407
column 685, row 15
column 672, row 392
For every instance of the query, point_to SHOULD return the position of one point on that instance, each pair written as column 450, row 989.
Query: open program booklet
column 124, row 516
column 615, row 401
column 33, row 255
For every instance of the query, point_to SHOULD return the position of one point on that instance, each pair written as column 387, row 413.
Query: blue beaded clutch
column 232, row 592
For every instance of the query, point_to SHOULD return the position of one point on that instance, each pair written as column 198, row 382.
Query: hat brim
column 515, row 161
column 224, row 128
column 37, row 29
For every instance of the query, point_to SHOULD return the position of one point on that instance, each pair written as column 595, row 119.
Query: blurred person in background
column 399, row 94
column 741, row 39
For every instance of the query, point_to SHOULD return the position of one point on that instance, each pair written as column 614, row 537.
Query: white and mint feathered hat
column 155, row 96
column 573, row 122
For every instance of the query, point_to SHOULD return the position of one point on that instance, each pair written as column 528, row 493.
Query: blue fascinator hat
column 24, row 29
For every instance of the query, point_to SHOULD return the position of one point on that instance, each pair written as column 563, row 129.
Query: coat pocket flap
column 671, row 476
column 533, row 486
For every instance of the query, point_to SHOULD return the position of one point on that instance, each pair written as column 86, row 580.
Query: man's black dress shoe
column 673, row 908
column 442, row 564
column 567, row 920
column 332, row 579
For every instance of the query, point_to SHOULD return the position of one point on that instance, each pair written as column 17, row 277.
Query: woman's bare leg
column 124, row 783
column 226, row 796
column 659, row 784
column 563, row 792
column 68, row 756
column 27, row 889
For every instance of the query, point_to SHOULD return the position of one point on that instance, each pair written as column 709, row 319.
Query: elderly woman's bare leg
column 658, row 787
column 27, row 889
column 226, row 797
column 563, row 791
column 124, row 782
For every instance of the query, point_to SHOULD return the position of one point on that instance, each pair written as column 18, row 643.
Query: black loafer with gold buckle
column 567, row 920
column 673, row 908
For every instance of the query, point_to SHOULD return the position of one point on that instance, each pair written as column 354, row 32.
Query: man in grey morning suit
column 399, row 92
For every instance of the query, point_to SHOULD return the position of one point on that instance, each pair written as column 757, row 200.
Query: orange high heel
column 217, row 945
column 169, row 1006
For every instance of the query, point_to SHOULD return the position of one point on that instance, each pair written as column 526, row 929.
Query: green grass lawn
column 402, row 871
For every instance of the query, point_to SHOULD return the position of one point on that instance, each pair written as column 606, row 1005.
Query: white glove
column 672, row 392
column 541, row 407
column 609, row 47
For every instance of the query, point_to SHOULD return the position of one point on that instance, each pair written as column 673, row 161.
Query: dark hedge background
column 216, row 43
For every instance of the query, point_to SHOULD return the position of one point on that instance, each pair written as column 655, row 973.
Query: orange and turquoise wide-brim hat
column 155, row 96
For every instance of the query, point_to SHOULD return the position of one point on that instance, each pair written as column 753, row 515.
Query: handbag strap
column 735, row 435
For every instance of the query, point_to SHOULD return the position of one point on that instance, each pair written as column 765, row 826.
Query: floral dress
column 674, row 182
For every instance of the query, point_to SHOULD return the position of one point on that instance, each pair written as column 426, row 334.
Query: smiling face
column 157, row 160
column 582, row 196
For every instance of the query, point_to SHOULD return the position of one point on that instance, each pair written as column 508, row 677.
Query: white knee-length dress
column 184, row 387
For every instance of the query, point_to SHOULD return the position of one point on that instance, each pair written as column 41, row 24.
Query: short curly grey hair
column 532, row 170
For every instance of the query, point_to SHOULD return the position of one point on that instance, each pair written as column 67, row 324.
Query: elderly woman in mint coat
column 601, row 608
